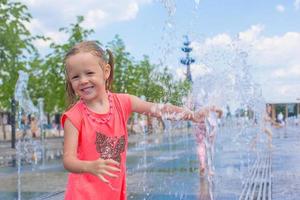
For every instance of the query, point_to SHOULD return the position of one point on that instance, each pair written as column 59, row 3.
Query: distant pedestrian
column 33, row 126
column 205, row 137
column 267, row 124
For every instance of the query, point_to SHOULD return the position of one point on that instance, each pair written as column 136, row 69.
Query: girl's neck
column 99, row 105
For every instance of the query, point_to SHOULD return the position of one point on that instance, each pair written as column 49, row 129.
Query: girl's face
column 87, row 75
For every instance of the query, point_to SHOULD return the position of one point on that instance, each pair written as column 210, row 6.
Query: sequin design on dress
column 110, row 147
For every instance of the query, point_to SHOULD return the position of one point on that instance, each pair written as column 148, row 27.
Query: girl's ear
column 106, row 70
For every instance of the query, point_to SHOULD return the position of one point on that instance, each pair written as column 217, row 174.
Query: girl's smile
column 87, row 90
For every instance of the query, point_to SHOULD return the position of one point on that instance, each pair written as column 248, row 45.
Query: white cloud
column 110, row 13
column 278, row 50
column 275, row 59
column 251, row 34
column 218, row 40
column 280, row 8
column 49, row 16
column 131, row 11
column 97, row 12
column 95, row 18
column 278, row 64
column 297, row 4
column 37, row 27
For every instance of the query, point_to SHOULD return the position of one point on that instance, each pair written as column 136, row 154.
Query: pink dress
column 99, row 140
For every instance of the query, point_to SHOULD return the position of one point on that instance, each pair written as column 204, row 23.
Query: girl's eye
column 90, row 73
column 74, row 77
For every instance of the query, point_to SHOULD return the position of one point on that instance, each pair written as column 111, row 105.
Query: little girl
column 201, row 134
column 95, row 135
column 205, row 138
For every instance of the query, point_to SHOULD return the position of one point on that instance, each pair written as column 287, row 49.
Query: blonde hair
column 95, row 49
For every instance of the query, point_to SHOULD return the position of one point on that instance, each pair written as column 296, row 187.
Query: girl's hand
column 102, row 168
column 187, row 115
column 200, row 115
column 216, row 110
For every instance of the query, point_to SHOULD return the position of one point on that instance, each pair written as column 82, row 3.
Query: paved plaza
column 165, row 167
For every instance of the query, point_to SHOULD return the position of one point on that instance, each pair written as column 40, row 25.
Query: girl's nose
column 83, row 80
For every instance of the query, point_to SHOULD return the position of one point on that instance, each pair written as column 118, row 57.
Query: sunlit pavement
column 165, row 166
column 286, row 164
column 169, row 170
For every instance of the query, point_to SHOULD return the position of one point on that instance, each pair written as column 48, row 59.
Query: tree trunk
column 3, row 126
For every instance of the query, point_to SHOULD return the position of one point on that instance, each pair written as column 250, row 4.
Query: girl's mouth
column 87, row 89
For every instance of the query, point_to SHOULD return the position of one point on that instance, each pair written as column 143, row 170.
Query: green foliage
column 15, row 47
column 123, row 66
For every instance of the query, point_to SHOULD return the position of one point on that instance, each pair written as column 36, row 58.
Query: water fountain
column 28, row 151
column 232, row 89
column 168, row 168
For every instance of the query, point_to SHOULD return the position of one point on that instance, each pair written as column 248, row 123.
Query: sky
column 268, row 30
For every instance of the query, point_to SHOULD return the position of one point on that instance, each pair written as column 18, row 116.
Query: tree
column 15, row 47
column 123, row 66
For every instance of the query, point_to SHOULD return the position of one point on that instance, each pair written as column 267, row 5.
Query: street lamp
column 187, row 60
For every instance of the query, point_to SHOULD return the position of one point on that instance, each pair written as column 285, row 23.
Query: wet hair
column 105, row 57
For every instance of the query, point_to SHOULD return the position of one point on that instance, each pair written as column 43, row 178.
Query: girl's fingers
column 106, row 173
column 111, row 168
column 110, row 174
column 111, row 161
column 103, row 179
column 188, row 116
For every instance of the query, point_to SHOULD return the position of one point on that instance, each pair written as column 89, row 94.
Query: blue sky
column 270, row 29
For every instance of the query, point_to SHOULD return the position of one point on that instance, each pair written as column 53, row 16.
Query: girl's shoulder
column 122, row 97
column 74, row 108
column 73, row 114
column 123, row 103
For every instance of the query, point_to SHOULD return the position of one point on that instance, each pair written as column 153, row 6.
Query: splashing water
column 226, row 83
column 232, row 89
column 28, row 151
column 170, row 6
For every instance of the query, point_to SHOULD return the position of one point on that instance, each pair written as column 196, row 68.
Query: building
column 288, row 109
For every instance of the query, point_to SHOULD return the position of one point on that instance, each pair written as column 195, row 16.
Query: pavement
column 286, row 164
column 165, row 166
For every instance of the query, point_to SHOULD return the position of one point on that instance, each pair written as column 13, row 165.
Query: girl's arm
column 159, row 110
column 97, row 167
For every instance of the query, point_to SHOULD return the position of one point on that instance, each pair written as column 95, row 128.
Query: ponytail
column 110, row 61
